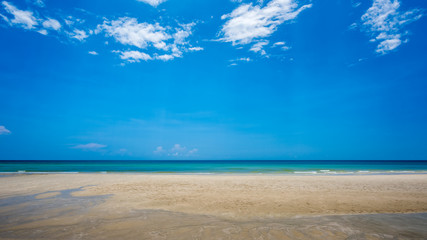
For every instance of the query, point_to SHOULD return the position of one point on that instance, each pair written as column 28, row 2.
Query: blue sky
column 213, row 79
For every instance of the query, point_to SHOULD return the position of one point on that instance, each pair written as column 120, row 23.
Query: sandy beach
column 129, row 203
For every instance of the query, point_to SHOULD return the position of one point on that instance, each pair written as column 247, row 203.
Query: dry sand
column 241, row 196
column 143, row 206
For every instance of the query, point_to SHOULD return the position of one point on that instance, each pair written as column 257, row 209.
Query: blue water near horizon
column 216, row 167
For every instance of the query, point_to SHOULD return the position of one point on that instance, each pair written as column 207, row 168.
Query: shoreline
column 296, row 173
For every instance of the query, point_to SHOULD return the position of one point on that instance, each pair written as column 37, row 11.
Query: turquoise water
column 218, row 167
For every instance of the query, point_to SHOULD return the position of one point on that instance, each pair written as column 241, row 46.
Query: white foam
column 305, row 172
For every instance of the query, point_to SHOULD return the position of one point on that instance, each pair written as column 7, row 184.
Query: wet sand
column 129, row 206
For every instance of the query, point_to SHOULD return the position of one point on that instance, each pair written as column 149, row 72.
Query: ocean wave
column 305, row 172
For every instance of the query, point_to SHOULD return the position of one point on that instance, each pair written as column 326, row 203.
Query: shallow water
column 61, row 215
column 218, row 167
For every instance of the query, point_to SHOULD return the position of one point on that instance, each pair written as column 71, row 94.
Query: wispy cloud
column 258, row 47
column 128, row 31
column 355, row 4
column 384, row 22
column 159, row 150
column 247, row 59
column 153, row 3
column 79, row 34
column 159, row 42
column 278, row 44
column 180, row 151
column 39, row 3
column 122, row 152
column 248, row 22
column 177, row 150
column 90, row 147
column 162, row 43
column 138, row 56
column 234, row 62
column 93, row 53
column 133, row 56
column 195, row 49
column 282, row 46
column 165, row 57
column 52, row 24
column 42, row 24
column 21, row 18
column 4, row 130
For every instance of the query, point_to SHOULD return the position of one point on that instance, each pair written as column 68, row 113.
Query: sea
column 295, row 167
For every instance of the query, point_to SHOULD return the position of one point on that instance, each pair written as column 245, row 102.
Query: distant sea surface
column 217, row 167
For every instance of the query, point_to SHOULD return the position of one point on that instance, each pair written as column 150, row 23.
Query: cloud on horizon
column 90, row 147
column 176, row 151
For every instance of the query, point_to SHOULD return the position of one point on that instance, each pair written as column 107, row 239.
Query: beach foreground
column 149, row 206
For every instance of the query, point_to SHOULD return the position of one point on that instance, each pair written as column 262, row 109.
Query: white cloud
column 153, row 3
column 243, row 59
column 182, row 34
column 123, row 151
column 162, row 42
column 137, row 56
column 133, row 56
column 168, row 43
column 282, row 44
column 35, row 21
column 355, row 4
column 90, row 147
column 258, row 47
column 79, row 34
column 352, row 26
column 235, row 61
column 195, row 49
column 278, row 44
column 4, row 130
column 68, row 22
column 388, row 45
column 52, row 23
column 177, row 150
column 193, row 151
column 39, row 3
column 384, row 22
column 248, row 22
column 159, row 150
column 128, row 31
column 285, row 48
column 165, row 57
column 93, row 53
column 22, row 18
column 42, row 31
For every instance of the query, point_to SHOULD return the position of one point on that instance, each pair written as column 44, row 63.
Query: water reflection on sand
column 61, row 215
